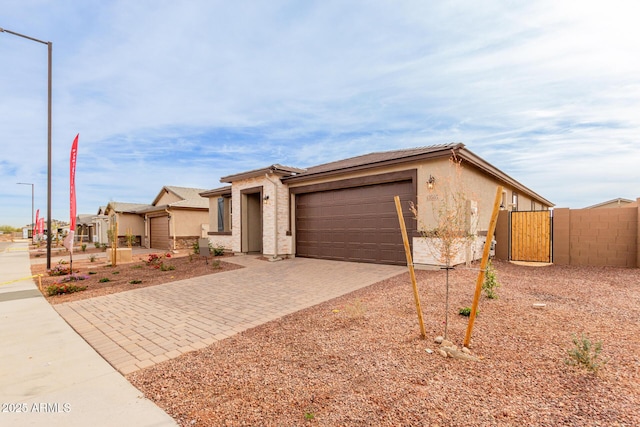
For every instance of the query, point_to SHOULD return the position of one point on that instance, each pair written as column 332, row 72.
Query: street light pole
column 33, row 235
column 49, row 51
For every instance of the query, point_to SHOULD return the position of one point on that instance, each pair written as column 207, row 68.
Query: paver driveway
column 142, row 327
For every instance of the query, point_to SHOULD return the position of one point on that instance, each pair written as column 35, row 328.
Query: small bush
column 63, row 288
column 466, row 311
column 585, row 354
column 93, row 272
column 355, row 310
column 165, row 267
column 97, row 245
column 84, row 247
column 135, row 282
column 218, row 250
column 490, row 284
column 104, row 280
column 60, row 270
column 92, row 258
column 73, row 278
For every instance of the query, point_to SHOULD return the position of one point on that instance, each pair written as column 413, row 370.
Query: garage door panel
column 353, row 224
column 159, row 233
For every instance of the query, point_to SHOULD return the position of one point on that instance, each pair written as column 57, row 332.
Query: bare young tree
column 453, row 229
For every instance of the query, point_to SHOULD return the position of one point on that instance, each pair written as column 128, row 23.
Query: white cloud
column 165, row 93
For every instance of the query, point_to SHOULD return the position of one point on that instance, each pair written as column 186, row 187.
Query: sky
column 183, row 93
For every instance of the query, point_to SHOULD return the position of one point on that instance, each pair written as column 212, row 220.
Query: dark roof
column 388, row 158
column 372, row 160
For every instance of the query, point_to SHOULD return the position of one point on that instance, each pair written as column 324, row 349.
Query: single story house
column 345, row 210
column 174, row 220
column 615, row 203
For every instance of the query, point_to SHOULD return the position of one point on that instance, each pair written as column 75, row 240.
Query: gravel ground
column 360, row 360
column 100, row 278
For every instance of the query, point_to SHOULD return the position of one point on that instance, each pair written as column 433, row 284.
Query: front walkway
column 142, row 327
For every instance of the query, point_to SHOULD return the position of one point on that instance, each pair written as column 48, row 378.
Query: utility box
column 122, row 255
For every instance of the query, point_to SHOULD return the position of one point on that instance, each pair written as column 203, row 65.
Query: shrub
column 96, row 244
column 104, row 280
column 73, row 278
column 218, row 250
column 466, row 311
column 92, row 258
column 60, row 270
column 83, row 247
column 135, row 282
column 355, row 310
column 490, row 284
column 585, row 354
column 156, row 261
column 63, row 288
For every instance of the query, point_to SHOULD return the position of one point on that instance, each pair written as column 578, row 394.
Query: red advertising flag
column 68, row 241
column 35, row 224
column 72, row 183
column 41, row 226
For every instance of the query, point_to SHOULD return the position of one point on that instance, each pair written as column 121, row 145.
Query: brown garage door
column 354, row 224
column 159, row 233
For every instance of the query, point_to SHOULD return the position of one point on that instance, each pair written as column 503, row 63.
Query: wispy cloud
column 166, row 93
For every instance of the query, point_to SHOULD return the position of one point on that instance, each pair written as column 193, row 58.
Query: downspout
column 275, row 217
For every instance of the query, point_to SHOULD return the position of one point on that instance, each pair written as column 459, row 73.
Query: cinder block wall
column 600, row 237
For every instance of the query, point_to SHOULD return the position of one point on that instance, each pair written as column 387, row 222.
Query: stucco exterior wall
column 188, row 222
column 132, row 222
column 167, row 198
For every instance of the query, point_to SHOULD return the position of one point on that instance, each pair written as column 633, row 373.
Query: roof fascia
column 498, row 174
column 275, row 169
column 223, row 191
column 445, row 152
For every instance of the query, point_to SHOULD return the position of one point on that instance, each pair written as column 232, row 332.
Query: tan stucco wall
column 167, row 198
column 188, row 222
column 130, row 221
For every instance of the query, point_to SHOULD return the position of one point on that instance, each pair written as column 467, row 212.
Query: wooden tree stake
column 483, row 264
column 407, row 250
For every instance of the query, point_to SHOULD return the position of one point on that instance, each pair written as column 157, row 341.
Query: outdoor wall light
column 265, row 198
column 431, row 182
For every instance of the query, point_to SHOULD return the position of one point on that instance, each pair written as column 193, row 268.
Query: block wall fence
column 595, row 237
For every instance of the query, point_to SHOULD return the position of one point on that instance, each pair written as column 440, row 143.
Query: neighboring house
column 100, row 226
column 84, row 228
column 615, row 203
column 175, row 219
column 128, row 220
column 345, row 210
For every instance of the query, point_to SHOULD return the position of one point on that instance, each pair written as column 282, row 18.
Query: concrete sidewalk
column 49, row 376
